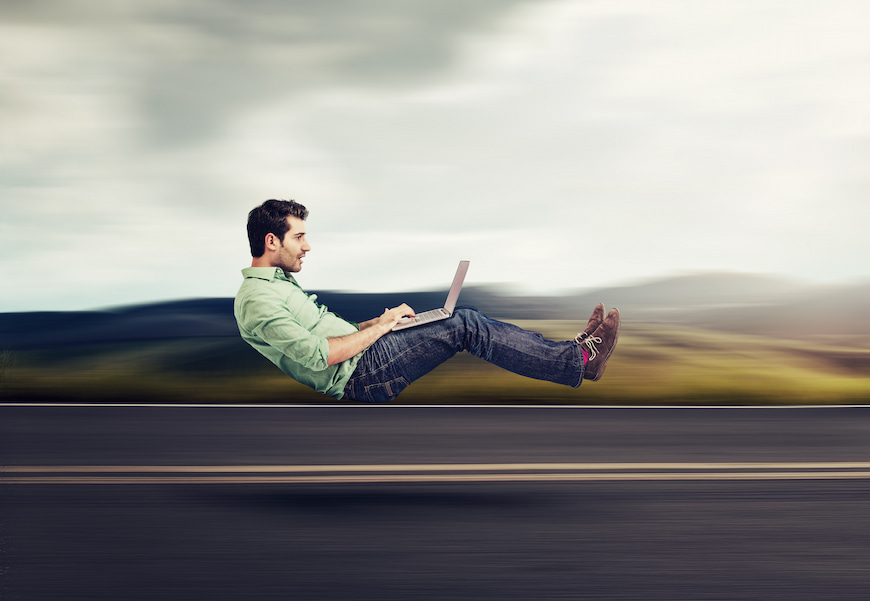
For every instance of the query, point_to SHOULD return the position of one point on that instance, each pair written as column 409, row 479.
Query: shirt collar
column 270, row 274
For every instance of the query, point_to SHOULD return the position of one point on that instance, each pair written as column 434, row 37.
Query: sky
column 557, row 144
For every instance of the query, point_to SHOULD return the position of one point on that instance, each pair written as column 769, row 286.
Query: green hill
column 703, row 342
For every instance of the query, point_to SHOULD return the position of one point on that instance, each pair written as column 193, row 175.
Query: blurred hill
column 701, row 339
column 735, row 303
column 745, row 304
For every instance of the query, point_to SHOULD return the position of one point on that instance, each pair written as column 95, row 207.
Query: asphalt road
column 392, row 502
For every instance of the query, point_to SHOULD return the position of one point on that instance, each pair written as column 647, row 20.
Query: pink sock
column 585, row 355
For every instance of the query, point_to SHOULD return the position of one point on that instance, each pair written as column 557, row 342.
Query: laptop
column 442, row 313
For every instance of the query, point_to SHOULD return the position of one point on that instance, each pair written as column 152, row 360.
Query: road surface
column 393, row 502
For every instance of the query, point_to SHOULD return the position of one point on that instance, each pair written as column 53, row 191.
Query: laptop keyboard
column 429, row 315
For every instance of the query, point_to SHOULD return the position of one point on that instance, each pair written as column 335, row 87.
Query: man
column 368, row 361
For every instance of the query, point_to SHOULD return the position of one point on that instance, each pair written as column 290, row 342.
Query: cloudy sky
column 556, row 144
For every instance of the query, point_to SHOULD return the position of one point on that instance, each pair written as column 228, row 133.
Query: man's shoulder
column 263, row 288
column 256, row 287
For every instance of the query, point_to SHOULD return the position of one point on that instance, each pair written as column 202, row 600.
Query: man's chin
column 290, row 268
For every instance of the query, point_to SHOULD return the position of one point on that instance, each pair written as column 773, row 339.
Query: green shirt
column 289, row 328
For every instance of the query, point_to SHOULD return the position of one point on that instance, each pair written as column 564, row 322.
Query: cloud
column 563, row 142
column 185, row 67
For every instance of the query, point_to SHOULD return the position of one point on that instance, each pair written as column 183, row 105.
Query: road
column 393, row 502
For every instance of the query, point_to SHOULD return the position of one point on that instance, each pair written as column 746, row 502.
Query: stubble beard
column 289, row 263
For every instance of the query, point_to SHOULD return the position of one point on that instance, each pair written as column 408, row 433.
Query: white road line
column 432, row 467
column 386, row 406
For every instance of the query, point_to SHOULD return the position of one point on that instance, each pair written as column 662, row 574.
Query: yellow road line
column 429, row 467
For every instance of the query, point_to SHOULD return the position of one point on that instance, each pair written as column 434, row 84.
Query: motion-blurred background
column 700, row 165
column 713, row 339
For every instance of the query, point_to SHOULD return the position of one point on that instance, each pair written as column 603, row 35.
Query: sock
column 585, row 355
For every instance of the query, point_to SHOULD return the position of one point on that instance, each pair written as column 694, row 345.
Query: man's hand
column 345, row 347
column 393, row 316
column 388, row 319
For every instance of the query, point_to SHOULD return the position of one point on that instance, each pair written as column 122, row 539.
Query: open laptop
column 442, row 313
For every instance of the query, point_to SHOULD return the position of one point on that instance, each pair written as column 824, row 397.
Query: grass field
column 652, row 365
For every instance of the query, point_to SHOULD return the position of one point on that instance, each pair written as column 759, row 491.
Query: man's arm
column 344, row 347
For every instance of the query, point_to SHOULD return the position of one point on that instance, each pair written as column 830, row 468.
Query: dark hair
column 271, row 218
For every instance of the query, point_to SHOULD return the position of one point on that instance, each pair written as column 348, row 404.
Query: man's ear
column 272, row 242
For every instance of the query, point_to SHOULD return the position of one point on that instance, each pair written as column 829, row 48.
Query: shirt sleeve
column 276, row 325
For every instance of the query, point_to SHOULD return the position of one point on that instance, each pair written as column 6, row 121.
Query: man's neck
column 263, row 261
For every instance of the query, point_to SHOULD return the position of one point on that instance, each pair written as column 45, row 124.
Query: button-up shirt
column 291, row 329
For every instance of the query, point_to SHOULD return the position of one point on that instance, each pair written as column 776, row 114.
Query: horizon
column 498, row 289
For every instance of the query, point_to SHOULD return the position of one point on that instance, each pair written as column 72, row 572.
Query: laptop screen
column 453, row 295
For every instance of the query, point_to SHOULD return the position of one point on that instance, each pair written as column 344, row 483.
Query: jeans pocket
column 385, row 391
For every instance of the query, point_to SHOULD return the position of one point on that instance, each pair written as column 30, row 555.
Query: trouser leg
column 399, row 358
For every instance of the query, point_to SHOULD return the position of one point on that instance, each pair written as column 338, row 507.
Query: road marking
column 438, row 478
column 387, row 406
column 429, row 467
column 482, row 472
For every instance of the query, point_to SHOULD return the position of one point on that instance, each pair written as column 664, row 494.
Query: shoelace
column 590, row 342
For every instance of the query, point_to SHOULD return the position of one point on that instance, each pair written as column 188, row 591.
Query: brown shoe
column 600, row 345
column 594, row 321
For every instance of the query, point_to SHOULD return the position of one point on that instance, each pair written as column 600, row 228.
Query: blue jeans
column 399, row 358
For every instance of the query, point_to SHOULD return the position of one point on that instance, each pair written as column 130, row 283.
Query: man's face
column 293, row 247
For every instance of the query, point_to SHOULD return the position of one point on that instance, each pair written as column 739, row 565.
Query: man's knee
column 469, row 316
column 472, row 330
